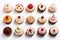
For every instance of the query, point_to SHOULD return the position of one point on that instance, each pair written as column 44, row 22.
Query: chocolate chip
column 41, row 6
column 42, row 17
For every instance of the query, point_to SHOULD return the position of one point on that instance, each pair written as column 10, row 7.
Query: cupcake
column 42, row 31
column 42, row 20
column 52, row 19
column 53, row 31
column 30, row 31
column 19, row 31
column 7, row 8
column 19, row 8
column 7, row 19
column 41, row 7
column 30, row 19
column 30, row 8
column 7, row 31
column 19, row 19
column 52, row 8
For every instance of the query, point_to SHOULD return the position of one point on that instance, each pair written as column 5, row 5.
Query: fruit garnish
column 6, row 17
column 53, row 30
column 30, row 30
column 18, row 17
column 42, row 29
column 30, row 6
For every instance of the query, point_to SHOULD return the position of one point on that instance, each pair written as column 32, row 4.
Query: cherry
column 6, row 17
column 42, row 29
column 18, row 17
column 54, row 30
column 30, row 30
column 30, row 6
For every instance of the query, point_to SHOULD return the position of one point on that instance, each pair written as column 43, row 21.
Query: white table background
column 25, row 26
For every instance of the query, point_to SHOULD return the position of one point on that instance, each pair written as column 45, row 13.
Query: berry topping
column 30, row 6
column 53, row 30
column 6, row 17
column 18, row 17
column 42, row 29
column 30, row 30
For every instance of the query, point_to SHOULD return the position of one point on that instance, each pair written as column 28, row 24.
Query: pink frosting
column 42, row 30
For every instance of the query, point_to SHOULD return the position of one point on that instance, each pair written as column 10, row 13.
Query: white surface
column 25, row 14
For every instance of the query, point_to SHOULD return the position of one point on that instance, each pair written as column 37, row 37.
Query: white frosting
column 52, row 32
column 42, row 8
column 7, row 8
column 40, row 30
column 19, row 20
column 18, row 31
column 30, row 33
column 19, row 8
column 42, row 20
column 52, row 8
